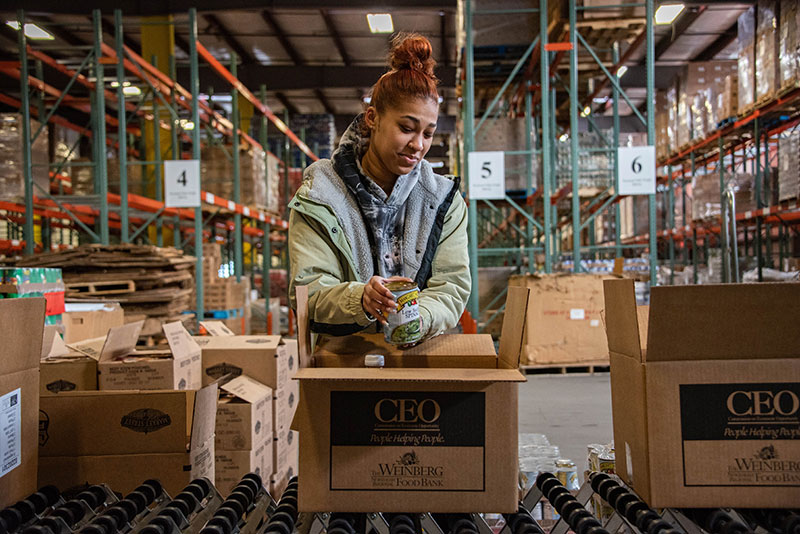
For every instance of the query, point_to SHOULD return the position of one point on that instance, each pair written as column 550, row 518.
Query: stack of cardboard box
column 224, row 296
column 269, row 361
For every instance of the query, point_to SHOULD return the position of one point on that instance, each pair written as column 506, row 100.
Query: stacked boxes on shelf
column 508, row 134
column 767, row 51
column 243, row 437
column 217, row 174
column 16, row 282
column 223, row 298
column 272, row 362
column 789, row 45
column 12, row 182
column 707, row 196
column 727, row 104
column 595, row 167
column 320, row 134
column 746, row 35
column 789, row 166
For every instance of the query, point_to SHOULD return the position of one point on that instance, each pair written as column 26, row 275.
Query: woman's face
column 402, row 135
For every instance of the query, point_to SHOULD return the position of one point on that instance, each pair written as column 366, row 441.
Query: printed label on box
column 407, row 441
column 744, row 435
column 10, row 431
column 577, row 314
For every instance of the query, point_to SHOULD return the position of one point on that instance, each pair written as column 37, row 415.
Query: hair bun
column 412, row 51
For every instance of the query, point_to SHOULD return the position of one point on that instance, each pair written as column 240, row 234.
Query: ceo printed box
column 266, row 359
column 122, row 367
column 705, row 387
column 436, row 437
column 124, row 437
column 22, row 323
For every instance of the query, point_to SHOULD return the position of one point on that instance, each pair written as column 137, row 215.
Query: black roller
column 66, row 514
column 138, row 499
column 247, row 492
column 107, row 523
column 282, row 528
column 658, row 527
column 38, row 529
column 605, row 485
column 52, row 523
column 155, row 484
column 791, row 523
column 222, row 522
column 213, row 529
column 400, row 528
column 255, row 478
column 198, row 491
column 340, row 530
column 556, row 491
column 529, row 528
column 287, row 508
column 290, row 501
column 189, row 499
column 96, row 528
column 401, row 519
column 51, row 493
column 167, row 524
column 343, row 524
column 39, row 502
column 203, row 483
column 26, row 509
column 585, row 524
column 646, row 517
column 249, row 483
column 3, row 526
column 12, row 518
column 182, row 506
column 148, row 492
column 561, row 500
column 542, row 477
column 118, row 514
column 548, row 484
column 152, row 529
column 174, row 514
column 614, row 494
column 633, row 508
column 596, row 478
column 293, row 481
column 228, row 513
column 596, row 530
column 569, row 509
column 282, row 517
column 99, row 494
column 125, row 506
column 237, row 502
column 623, row 500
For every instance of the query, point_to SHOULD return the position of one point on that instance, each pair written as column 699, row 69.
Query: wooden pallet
column 599, row 366
column 112, row 287
column 788, row 88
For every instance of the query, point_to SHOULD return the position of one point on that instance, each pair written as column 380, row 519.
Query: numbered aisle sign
column 487, row 175
column 637, row 170
column 182, row 183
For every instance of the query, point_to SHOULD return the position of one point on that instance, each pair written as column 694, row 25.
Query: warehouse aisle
column 571, row 410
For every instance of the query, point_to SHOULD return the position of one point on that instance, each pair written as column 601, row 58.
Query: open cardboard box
column 124, row 437
column 89, row 320
column 122, row 367
column 433, row 437
column 63, row 368
column 244, row 415
column 267, row 359
column 705, row 387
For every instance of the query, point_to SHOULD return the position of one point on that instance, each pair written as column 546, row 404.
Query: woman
column 376, row 211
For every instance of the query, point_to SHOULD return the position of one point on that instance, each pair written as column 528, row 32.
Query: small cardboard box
column 284, row 404
column 90, row 320
column 124, row 437
column 705, row 388
column 244, row 416
column 121, row 367
column 263, row 358
column 285, row 450
column 564, row 323
column 429, row 438
column 22, row 324
column 63, row 368
column 231, row 466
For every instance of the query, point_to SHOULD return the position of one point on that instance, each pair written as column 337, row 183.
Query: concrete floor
column 572, row 410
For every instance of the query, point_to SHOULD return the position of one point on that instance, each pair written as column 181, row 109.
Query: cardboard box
column 231, row 466
column 284, row 404
column 564, row 325
column 22, row 324
column 285, row 451
column 121, row 367
column 90, row 320
column 63, row 368
column 705, row 393
column 124, row 437
column 411, row 439
column 244, row 415
column 265, row 359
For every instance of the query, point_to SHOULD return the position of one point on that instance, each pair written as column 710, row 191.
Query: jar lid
column 373, row 360
column 565, row 462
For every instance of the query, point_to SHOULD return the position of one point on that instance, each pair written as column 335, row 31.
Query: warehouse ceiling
column 319, row 57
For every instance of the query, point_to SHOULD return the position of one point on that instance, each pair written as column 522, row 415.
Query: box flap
column 410, row 375
column 726, row 321
column 52, row 344
column 205, row 415
column 89, row 347
column 512, row 336
column 303, row 330
column 180, row 342
column 216, row 328
column 22, row 324
column 622, row 325
column 446, row 345
column 247, row 389
column 121, row 341
column 232, row 343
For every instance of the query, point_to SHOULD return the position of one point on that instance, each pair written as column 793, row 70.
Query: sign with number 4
column 637, row 170
column 182, row 183
column 487, row 175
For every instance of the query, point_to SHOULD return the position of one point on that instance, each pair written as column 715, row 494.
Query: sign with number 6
column 487, row 175
column 637, row 170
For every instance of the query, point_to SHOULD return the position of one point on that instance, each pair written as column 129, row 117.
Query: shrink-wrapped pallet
column 746, row 36
column 767, row 64
column 12, row 177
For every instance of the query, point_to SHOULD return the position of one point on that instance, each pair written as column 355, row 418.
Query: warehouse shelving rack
column 518, row 227
column 747, row 141
column 93, row 215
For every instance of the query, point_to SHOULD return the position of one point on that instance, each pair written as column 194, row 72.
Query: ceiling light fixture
column 32, row 31
column 586, row 111
column 621, row 71
column 380, row 22
column 131, row 90
column 666, row 13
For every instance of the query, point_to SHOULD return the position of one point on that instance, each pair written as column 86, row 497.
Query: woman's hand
column 377, row 300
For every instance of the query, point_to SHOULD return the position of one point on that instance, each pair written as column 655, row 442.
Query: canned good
column 567, row 473
column 403, row 325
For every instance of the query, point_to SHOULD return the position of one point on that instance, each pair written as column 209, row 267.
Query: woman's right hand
column 377, row 300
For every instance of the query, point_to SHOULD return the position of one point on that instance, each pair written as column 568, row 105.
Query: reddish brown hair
column 411, row 75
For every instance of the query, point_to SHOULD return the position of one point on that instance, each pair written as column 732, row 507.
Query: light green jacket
column 326, row 252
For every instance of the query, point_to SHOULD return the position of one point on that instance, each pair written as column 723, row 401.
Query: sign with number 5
column 182, row 183
column 487, row 175
column 637, row 170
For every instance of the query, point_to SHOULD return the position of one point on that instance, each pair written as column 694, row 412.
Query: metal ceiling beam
column 286, row 103
column 229, row 39
column 681, row 25
column 140, row 8
column 287, row 77
column 324, row 101
column 290, row 50
column 720, row 44
column 336, row 36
